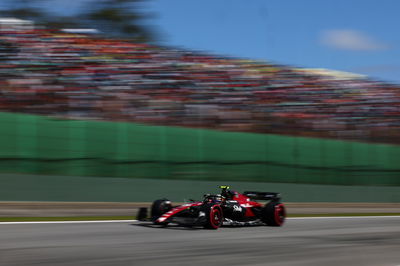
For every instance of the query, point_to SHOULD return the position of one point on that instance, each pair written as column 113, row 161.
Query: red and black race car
column 227, row 208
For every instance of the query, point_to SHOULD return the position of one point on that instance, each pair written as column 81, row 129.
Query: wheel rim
column 215, row 217
column 279, row 214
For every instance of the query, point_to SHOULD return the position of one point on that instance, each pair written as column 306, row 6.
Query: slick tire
column 214, row 216
column 273, row 214
column 158, row 208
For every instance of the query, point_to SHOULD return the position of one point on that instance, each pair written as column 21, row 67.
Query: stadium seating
column 77, row 76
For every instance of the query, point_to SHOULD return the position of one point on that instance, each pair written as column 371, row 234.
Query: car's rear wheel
column 158, row 208
column 214, row 216
column 273, row 213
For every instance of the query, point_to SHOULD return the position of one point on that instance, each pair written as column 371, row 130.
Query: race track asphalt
column 324, row 241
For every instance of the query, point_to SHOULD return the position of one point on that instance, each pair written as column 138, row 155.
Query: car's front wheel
column 158, row 208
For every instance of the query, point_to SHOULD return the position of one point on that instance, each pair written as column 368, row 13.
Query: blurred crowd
column 79, row 76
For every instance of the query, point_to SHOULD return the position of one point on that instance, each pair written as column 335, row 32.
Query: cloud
column 351, row 40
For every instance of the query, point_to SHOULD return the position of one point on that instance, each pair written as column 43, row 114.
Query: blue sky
column 358, row 36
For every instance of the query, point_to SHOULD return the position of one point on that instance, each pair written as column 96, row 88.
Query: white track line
column 71, row 222
column 130, row 221
column 343, row 217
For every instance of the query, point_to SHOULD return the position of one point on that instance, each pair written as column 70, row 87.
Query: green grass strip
column 106, row 218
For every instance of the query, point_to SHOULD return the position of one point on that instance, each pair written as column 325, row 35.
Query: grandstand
column 78, row 76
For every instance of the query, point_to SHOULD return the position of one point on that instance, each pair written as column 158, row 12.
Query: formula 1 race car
column 227, row 208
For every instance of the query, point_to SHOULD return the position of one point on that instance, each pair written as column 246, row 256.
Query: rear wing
column 262, row 195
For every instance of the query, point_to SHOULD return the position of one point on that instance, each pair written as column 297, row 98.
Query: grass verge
column 105, row 218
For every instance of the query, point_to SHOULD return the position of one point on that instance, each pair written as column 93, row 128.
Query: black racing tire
column 214, row 216
column 158, row 208
column 273, row 213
